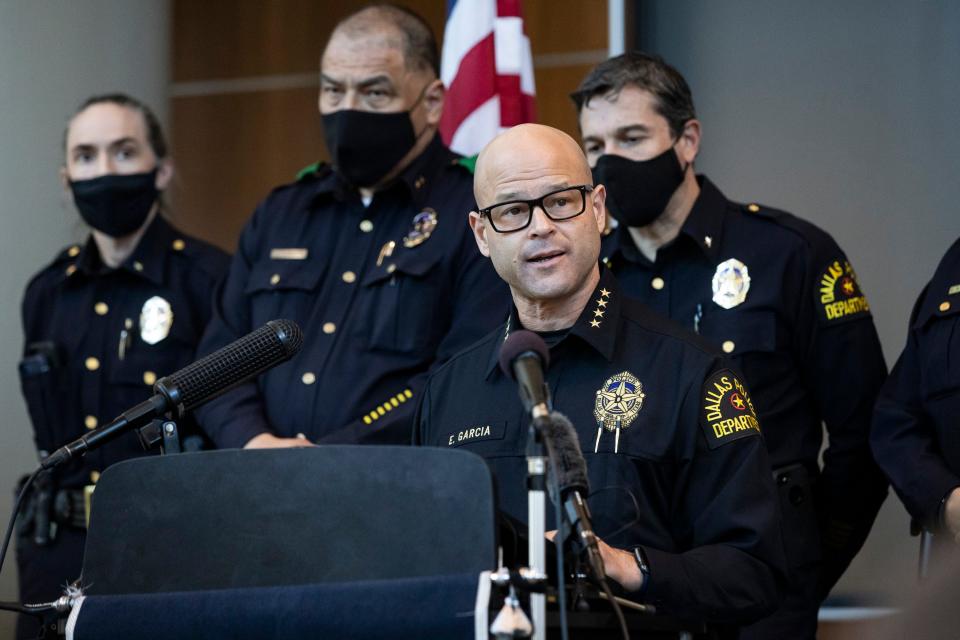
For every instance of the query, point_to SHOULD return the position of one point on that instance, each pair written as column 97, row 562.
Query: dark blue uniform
column 96, row 340
column 380, row 291
column 688, row 480
column 778, row 295
column 915, row 426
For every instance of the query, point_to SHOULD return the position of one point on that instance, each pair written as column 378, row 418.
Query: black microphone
column 275, row 342
column 571, row 470
column 524, row 357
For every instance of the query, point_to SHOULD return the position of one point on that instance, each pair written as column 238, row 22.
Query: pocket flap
column 283, row 275
column 410, row 263
column 741, row 332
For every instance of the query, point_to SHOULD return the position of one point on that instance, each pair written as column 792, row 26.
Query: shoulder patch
column 838, row 295
column 469, row 163
column 317, row 169
column 727, row 410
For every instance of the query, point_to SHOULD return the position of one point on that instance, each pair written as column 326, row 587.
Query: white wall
column 53, row 54
column 843, row 113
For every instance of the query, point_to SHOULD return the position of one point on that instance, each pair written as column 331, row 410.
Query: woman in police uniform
column 102, row 322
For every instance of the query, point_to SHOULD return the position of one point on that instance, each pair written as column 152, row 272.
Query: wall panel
column 244, row 84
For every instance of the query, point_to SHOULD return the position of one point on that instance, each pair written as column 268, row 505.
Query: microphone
column 524, row 357
column 571, row 480
column 197, row 383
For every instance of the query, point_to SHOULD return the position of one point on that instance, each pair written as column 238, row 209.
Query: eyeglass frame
column 584, row 189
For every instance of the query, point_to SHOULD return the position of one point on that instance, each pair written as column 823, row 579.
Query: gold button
column 73, row 251
column 728, row 346
column 101, row 308
column 329, row 327
column 94, row 476
column 179, row 244
column 753, row 208
column 391, row 268
column 90, row 422
column 349, row 276
column 657, row 283
column 138, row 266
column 366, row 226
column 71, row 269
column 944, row 306
column 149, row 377
column 92, row 363
column 275, row 278
column 309, row 377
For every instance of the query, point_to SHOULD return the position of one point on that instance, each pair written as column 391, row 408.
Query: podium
column 288, row 543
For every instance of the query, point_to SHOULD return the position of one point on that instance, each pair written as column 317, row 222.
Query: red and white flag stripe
column 487, row 69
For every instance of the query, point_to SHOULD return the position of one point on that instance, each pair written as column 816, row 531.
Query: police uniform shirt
column 779, row 296
column 688, row 478
column 380, row 292
column 98, row 338
column 915, row 436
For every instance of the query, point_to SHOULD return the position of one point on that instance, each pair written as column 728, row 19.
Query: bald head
column 525, row 152
column 391, row 27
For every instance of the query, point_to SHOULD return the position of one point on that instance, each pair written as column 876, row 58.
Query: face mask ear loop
column 416, row 102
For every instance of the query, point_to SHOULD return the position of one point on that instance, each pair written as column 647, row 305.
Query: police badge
column 156, row 318
column 423, row 225
column 731, row 283
column 617, row 404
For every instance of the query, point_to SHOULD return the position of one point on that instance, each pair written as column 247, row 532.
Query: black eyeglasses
column 515, row 215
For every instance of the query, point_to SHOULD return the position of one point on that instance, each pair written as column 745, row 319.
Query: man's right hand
column 270, row 441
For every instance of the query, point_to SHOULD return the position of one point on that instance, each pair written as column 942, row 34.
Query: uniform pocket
column 739, row 332
column 283, row 289
column 939, row 337
column 402, row 297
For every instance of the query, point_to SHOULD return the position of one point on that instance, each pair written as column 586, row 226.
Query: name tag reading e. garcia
column 477, row 432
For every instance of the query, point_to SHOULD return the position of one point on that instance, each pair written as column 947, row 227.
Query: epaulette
column 204, row 256
column 810, row 232
column 314, row 171
column 59, row 263
column 67, row 253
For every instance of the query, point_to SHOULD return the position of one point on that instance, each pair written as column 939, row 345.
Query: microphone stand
column 537, row 517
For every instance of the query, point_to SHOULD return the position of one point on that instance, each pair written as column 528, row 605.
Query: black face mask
column 116, row 204
column 638, row 191
column 366, row 145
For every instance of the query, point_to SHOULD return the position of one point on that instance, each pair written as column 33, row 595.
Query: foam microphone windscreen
column 249, row 356
column 520, row 342
column 571, row 466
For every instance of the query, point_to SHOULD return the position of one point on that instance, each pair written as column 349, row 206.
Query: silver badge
column 730, row 283
column 156, row 318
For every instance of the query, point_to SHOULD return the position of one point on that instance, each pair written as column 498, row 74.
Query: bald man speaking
column 683, row 498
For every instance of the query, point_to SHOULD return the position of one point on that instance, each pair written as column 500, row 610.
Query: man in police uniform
column 687, row 507
column 771, row 290
column 102, row 322
column 914, row 433
column 372, row 256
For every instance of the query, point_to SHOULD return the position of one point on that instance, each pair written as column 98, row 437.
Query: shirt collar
column 704, row 225
column 416, row 179
column 148, row 260
column 597, row 324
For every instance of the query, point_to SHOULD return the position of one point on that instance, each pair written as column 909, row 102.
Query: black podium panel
column 232, row 519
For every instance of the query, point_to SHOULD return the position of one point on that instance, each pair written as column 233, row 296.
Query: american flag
column 487, row 69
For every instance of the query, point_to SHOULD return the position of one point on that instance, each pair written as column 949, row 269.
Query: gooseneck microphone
column 273, row 343
column 571, row 480
column 524, row 357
